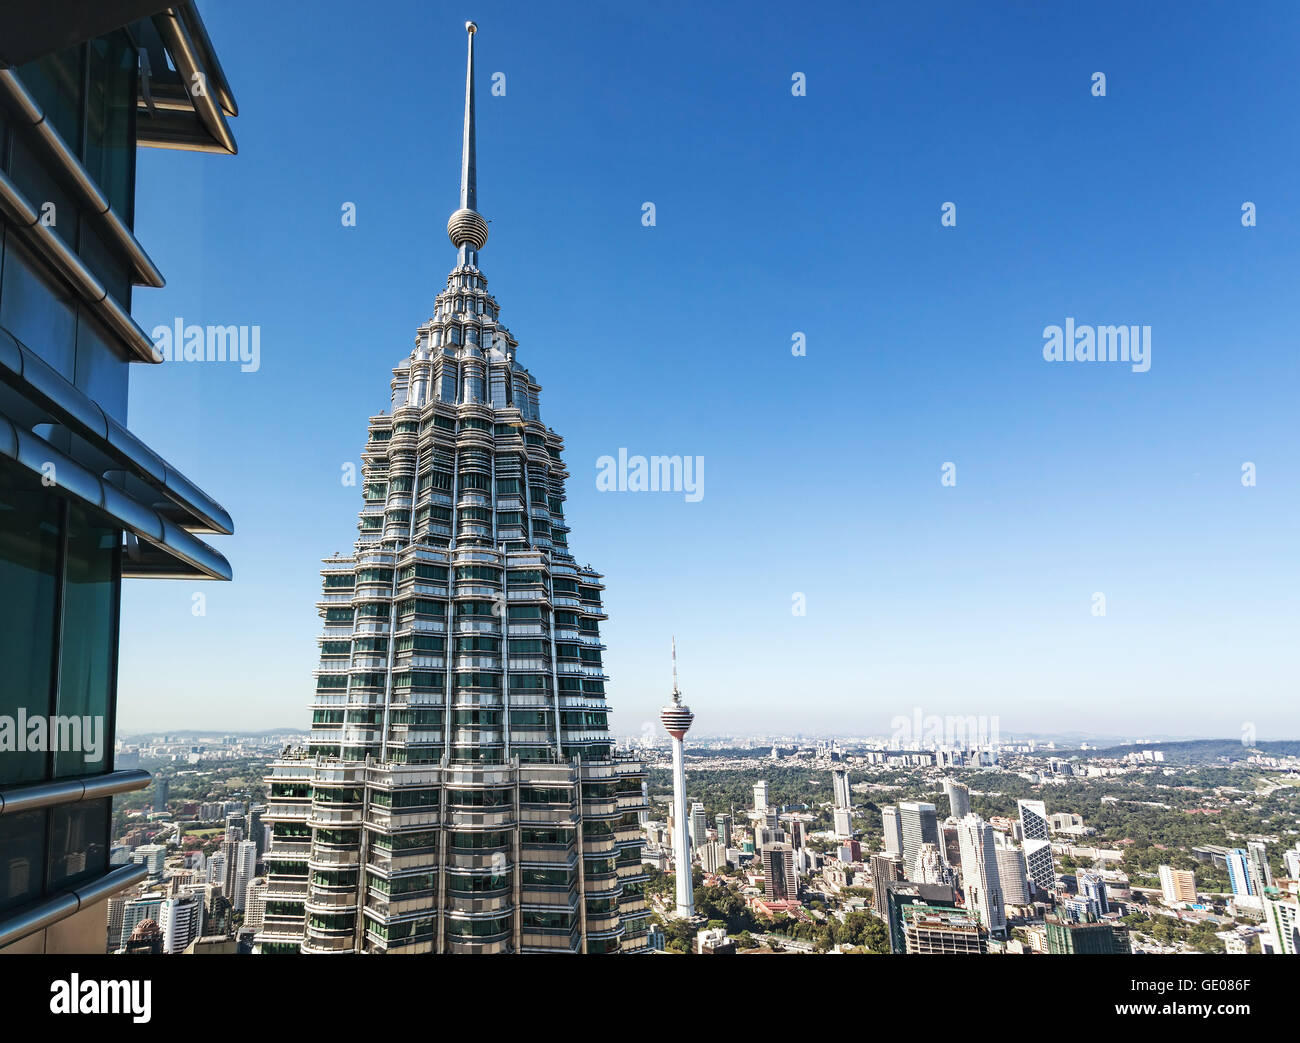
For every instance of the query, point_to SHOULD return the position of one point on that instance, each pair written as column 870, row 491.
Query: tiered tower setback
column 461, row 792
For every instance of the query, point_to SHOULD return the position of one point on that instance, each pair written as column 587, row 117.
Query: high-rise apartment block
column 840, row 787
column 979, row 873
column 180, row 919
column 242, row 873
column 699, row 826
column 1241, row 875
column 138, row 910
column 958, row 795
column 1261, row 873
column 1177, row 886
column 1291, row 862
column 1092, row 894
column 1012, row 873
column 1282, row 920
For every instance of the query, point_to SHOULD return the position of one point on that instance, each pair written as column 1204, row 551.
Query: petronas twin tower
column 461, row 793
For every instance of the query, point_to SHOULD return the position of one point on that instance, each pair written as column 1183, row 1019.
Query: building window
column 29, row 553
column 56, row 560
column 36, row 310
column 86, row 656
column 22, row 857
column 101, row 367
column 78, row 842
column 110, row 120
column 54, row 80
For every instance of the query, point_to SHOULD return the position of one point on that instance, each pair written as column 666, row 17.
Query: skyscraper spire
column 466, row 228
column 468, row 175
column 677, row 695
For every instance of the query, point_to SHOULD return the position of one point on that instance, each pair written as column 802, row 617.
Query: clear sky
column 775, row 214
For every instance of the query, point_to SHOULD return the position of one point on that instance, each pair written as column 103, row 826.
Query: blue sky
column 775, row 214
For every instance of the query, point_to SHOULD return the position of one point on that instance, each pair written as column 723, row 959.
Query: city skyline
column 974, row 598
column 925, row 370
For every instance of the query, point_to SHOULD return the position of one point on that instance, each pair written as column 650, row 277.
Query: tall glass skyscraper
column 461, row 792
column 84, row 503
column 1037, row 842
column 919, row 824
column 958, row 795
column 979, row 873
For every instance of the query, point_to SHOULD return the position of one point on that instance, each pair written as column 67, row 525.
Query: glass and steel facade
column 460, row 792
column 83, row 502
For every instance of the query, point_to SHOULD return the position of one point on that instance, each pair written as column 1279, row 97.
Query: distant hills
column 1191, row 751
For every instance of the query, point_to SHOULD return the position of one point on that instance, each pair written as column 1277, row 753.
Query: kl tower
column 677, row 719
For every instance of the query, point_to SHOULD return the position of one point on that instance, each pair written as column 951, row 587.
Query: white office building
column 958, row 795
column 893, row 831
column 1033, row 820
column 1291, row 860
column 1261, row 873
column 152, row 857
column 1013, row 874
column 699, row 827
column 920, row 825
column 215, row 872
column 255, row 903
column 244, row 871
column 1039, row 864
column 840, row 783
column 180, row 920
column 136, row 911
column 1283, row 921
column 979, row 871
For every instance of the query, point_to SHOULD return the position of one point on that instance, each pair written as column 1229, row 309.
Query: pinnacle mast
column 466, row 228
column 468, row 174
